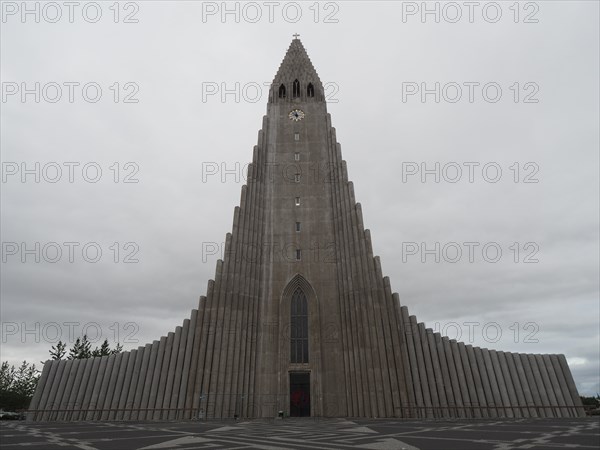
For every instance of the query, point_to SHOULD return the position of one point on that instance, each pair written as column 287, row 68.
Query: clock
column 296, row 115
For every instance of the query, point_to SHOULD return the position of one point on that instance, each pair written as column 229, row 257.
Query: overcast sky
column 528, row 106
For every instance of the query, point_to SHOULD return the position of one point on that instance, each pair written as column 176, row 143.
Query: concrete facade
column 299, row 317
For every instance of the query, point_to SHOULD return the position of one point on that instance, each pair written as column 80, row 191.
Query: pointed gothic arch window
column 310, row 90
column 299, row 328
column 296, row 89
column 282, row 91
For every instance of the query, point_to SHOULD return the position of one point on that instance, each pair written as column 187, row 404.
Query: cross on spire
column 295, row 35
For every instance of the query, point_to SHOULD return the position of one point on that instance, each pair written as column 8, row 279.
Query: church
column 299, row 319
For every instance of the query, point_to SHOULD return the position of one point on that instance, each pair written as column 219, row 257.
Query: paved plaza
column 306, row 433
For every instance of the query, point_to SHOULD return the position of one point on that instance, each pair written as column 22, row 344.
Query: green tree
column 59, row 351
column 17, row 385
column 104, row 350
column 82, row 349
column 7, row 376
column 591, row 401
column 117, row 349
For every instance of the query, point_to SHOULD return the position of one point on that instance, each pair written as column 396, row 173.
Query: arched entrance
column 300, row 349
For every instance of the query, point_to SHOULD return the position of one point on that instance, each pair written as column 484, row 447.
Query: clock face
column 296, row 115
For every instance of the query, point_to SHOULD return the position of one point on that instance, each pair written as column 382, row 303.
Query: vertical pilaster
column 183, row 404
column 122, row 405
column 512, row 385
column 73, row 405
column 416, row 386
column 171, row 373
column 399, row 331
column 477, row 374
column 571, row 385
column 153, row 401
column 108, row 372
column 174, row 412
column 539, row 384
column 437, row 373
column 572, row 412
column 499, row 371
column 423, row 373
column 197, row 362
column 133, row 386
column 151, row 373
column 159, row 412
column 115, row 414
column 34, row 405
column 561, row 410
column 140, row 384
column 470, row 397
column 50, row 406
column 532, row 383
column 93, row 388
column 354, row 399
column 87, row 369
column 62, row 398
column 550, row 396
column 107, row 412
column 451, row 380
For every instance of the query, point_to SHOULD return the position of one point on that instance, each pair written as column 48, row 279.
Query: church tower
column 299, row 317
column 337, row 350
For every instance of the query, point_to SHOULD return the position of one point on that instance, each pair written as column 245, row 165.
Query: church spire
column 296, row 77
